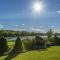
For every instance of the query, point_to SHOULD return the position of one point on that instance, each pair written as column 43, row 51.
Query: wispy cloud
column 1, row 26
column 23, row 24
column 58, row 12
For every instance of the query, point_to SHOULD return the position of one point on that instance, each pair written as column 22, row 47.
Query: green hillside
column 52, row 53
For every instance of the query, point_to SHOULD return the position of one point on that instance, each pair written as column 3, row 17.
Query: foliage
column 56, row 39
column 18, row 44
column 49, row 34
column 11, row 33
column 3, row 45
column 38, row 43
column 27, row 44
column 50, row 38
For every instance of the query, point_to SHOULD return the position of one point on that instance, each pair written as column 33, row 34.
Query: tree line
column 11, row 33
column 27, row 44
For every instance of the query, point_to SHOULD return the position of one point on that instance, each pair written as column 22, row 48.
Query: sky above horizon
column 17, row 14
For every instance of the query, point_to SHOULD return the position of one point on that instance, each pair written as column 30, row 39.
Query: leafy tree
column 27, row 44
column 38, row 43
column 49, row 34
column 18, row 44
column 56, row 39
column 50, row 38
column 3, row 45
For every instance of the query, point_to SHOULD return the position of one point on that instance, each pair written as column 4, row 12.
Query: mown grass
column 52, row 53
column 11, row 44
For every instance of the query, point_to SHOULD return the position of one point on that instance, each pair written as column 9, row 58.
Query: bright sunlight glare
column 37, row 7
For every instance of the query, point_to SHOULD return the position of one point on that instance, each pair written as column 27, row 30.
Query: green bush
column 3, row 45
column 56, row 40
column 50, row 38
column 18, row 44
column 49, row 33
column 38, row 43
column 27, row 44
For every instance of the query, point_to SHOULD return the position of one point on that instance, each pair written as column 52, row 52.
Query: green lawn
column 52, row 53
column 11, row 44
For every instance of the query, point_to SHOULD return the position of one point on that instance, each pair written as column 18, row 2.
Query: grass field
column 52, row 53
column 11, row 44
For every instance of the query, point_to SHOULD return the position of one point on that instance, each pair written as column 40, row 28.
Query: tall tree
column 56, row 39
column 3, row 45
column 38, row 43
column 49, row 34
column 18, row 44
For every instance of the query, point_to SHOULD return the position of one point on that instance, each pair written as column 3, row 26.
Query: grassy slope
column 10, row 45
column 52, row 53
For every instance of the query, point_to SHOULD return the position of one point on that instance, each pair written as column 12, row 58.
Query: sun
column 37, row 7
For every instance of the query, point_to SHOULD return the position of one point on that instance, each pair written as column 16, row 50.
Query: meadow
column 51, row 53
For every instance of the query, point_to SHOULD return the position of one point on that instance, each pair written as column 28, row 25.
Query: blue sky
column 15, row 13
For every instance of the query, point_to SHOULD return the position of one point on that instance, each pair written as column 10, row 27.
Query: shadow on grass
column 13, row 54
column 16, row 52
column 5, row 53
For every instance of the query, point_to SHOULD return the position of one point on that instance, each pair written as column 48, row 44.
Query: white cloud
column 58, row 12
column 16, row 25
column 37, row 29
column 52, row 26
column 23, row 24
column 1, row 26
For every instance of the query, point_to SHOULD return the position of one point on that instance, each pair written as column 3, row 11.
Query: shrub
column 3, row 45
column 56, row 39
column 50, row 39
column 38, row 43
column 18, row 45
column 27, row 44
column 49, row 34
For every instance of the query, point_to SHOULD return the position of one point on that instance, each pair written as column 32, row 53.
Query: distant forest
column 12, row 33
